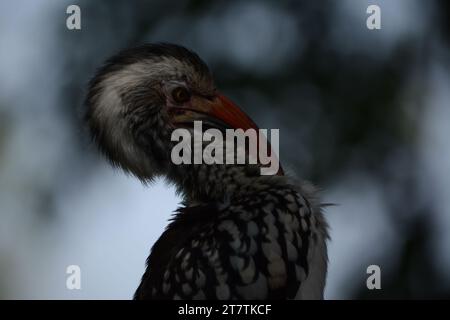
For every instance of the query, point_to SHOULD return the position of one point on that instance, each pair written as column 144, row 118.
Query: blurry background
column 364, row 114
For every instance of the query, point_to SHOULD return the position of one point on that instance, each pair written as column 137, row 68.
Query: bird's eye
column 181, row 94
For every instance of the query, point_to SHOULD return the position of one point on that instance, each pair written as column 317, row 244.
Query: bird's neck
column 213, row 183
column 220, row 183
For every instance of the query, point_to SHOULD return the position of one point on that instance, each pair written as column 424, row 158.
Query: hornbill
column 238, row 234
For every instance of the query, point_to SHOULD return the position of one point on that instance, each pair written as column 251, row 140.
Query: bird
column 236, row 234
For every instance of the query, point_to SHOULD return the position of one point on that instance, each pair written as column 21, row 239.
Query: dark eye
column 181, row 94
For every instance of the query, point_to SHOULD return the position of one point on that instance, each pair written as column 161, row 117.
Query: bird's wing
column 247, row 251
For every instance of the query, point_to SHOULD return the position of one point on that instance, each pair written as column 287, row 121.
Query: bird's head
column 142, row 94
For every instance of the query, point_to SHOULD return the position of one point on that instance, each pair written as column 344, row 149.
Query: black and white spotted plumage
column 238, row 235
column 261, row 246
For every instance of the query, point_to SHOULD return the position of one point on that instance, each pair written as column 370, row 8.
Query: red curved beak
column 227, row 111
column 223, row 109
